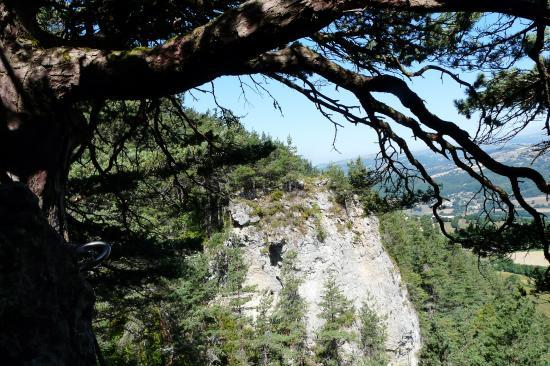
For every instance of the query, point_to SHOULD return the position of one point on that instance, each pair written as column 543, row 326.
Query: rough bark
column 221, row 46
column 45, row 305
column 39, row 128
column 216, row 48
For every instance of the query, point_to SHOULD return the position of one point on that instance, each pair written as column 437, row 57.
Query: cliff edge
column 329, row 240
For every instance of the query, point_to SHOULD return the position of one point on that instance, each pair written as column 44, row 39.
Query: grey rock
column 241, row 214
column 353, row 254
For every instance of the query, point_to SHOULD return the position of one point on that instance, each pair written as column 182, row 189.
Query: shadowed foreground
column 39, row 286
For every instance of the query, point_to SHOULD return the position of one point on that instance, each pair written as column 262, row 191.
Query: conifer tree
column 232, row 329
column 339, row 184
column 372, row 337
column 290, row 313
column 358, row 175
column 62, row 60
column 268, row 343
column 469, row 314
column 338, row 313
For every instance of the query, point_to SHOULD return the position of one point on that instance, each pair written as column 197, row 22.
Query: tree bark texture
column 45, row 305
column 39, row 127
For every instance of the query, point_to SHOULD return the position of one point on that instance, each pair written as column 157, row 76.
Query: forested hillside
column 461, row 190
column 173, row 292
column 163, row 212
column 342, row 275
column 469, row 315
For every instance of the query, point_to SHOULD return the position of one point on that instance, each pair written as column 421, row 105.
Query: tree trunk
column 45, row 305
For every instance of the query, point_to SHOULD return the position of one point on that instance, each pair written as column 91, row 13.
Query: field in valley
column 532, row 258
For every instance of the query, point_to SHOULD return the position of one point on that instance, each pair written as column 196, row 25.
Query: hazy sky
column 311, row 132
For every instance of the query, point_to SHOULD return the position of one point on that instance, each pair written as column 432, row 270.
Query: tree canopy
column 62, row 58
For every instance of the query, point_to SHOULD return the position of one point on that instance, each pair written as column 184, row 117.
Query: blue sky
column 311, row 132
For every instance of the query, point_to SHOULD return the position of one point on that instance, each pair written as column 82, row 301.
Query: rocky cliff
column 328, row 240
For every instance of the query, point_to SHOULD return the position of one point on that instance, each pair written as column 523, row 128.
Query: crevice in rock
column 275, row 253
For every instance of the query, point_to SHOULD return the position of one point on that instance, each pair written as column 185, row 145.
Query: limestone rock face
column 335, row 241
column 242, row 214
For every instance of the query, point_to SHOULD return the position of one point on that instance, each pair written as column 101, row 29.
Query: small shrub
column 257, row 210
column 276, row 195
column 274, row 209
column 216, row 240
column 308, row 212
column 321, row 234
column 265, row 249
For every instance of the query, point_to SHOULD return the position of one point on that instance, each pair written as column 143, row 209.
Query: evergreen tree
column 281, row 169
column 372, row 337
column 62, row 60
column 338, row 313
column 468, row 314
column 269, row 345
column 289, row 315
column 358, row 175
column 361, row 183
column 234, row 329
column 339, row 184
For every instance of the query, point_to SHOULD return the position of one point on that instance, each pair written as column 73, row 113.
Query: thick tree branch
column 299, row 58
column 535, row 54
column 222, row 45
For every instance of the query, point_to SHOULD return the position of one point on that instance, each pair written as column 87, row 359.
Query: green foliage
column 358, row 176
column 320, row 233
column 486, row 239
column 507, row 96
column 156, row 300
column 338, row 313
column 164, row 301
column 360, row 183
column 289, row 313
column 268, row 344
column 468, row 315
column 276, row 195
column 372, row 336
column 339, row 184
column 282, row 169
column 124, row 184
column 158, row 205
column 542, row 280
column 310, row 211
column 507, row 265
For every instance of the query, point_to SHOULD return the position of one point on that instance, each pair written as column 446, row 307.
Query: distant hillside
column 455, row 181
column 459, row 188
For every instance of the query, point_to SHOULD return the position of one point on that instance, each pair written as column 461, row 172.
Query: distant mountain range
column 453, row 180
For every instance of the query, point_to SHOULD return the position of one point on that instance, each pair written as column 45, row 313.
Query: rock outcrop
column 329, row 240
column 242, row 214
